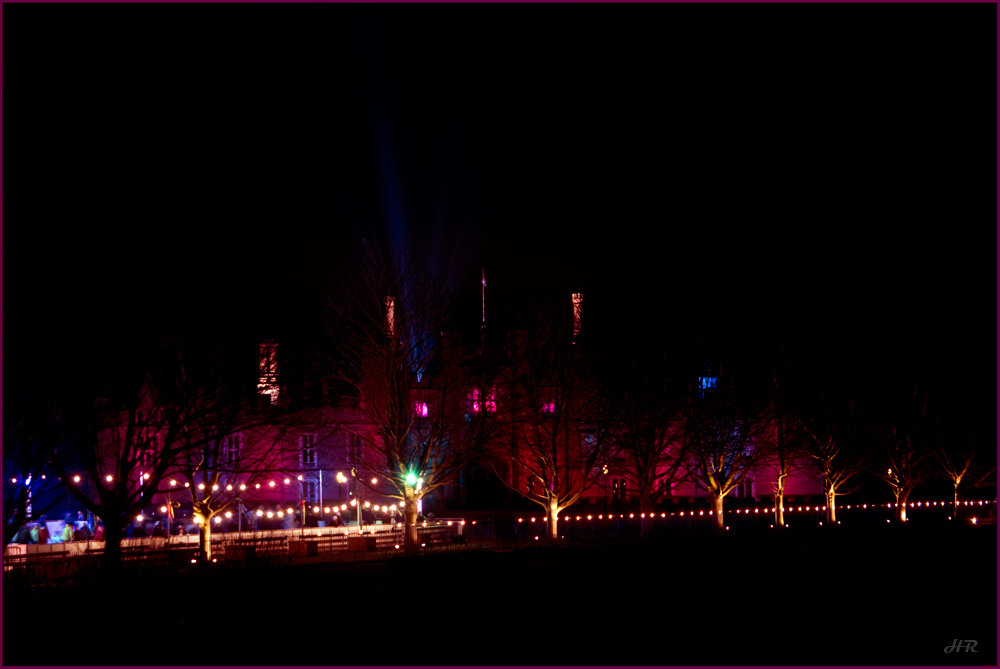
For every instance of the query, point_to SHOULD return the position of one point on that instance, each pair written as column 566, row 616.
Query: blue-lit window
column 704, row 383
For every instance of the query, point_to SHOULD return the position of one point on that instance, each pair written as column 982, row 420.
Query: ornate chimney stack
column 577, row 315
column 267, row 383
column 390, row 316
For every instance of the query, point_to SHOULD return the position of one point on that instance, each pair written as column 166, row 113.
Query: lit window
column 489, row 404
column 421, row 409
column 549, row 407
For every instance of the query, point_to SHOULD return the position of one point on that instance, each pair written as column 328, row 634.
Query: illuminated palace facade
column 315, row 464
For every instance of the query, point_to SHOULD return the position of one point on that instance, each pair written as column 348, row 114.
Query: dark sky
column 824, row 172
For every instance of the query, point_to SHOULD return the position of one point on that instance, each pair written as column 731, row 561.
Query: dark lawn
column 881, row 596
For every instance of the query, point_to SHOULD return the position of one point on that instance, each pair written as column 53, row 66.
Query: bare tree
column 36, row 426
column 724, row 438
column 410, row 379
column 150, row 408
column 957, row 461
column 646, row 426
column 223, row 455
column 784, row 449
column 829, row 425
column 556, row 424
column 909, row 447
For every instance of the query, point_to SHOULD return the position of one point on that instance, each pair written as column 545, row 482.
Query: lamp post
column 357, row 495
column 341, row 480
column 605, row 472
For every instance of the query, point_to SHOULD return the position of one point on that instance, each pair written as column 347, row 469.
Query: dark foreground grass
column 887, row 596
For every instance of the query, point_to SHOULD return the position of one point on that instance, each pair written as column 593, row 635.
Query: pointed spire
column 484, row 299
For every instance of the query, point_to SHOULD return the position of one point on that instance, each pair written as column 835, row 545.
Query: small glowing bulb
column 287, row 481
column 257, row 486
column 289, row 510
column 259, row 513
column 76, row 479
column 218, row 520
column 139, row 517
column 281, row 514
column 201, row 486
column 229, row 514
column 108, row 478
column 271, row 483
column 300, row 477
column 270, row 514
column 315, row 509
column 326, row 509
column 163, row 509
column 229, row 486
column 215, row 487
column 173, row 481
column 145, row 476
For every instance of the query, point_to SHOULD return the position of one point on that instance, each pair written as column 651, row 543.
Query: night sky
column 822, row 175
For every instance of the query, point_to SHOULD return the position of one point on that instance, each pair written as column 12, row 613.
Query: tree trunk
column 955, row 503
column 831, row 505
column 779, row 505
column 553, row 519
column 112, row 561
column 205, row 540
column 410, row 541
column 901, row 510
column 717, row 511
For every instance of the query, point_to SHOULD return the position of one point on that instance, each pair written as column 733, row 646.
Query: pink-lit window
column 549, row 407
column 489, row 404
column 421, row 409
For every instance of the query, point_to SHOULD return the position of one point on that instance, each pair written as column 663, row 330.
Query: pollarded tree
column 226, row 453
column 830, row 427
column 909, row 445
column 645, row 423
column 958, row 462
column 556, row 424
column 724, row 439
column 410, row 380
column 784, row 449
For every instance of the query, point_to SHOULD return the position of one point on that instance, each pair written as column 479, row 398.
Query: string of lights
column 758, row 510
